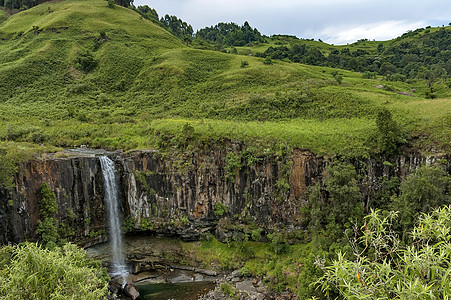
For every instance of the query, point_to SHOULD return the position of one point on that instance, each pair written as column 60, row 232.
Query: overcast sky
column 334, row 21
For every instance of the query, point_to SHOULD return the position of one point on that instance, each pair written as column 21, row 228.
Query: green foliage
column 177, row 26
column 337, row 76
column 111, row 4
column 256, row 234
column 389, row 135
column 267, row 61
column 220, row 209
column 47, row 203
column 369, row 75
column 129, row 224
column 85, row 61
column 228, row 290
column 244, row 64
column 7, row 170
column 384, row 269
column 344, row 194
column 48, row 230
column 47, row 223
column 6, row 255
column 420, row 192
column 230, row 34
column 279, row 243
column 232, row 165
column 62, row 273
column 335, row 207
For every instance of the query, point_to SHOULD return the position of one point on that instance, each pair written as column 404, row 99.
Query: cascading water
column 112, row 201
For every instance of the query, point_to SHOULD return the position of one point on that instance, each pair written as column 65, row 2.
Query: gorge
column 188, row 196
column 161, row 195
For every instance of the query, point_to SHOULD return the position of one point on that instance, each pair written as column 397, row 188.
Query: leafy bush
column 220, row 209
column 279, row 244
column 31, row 272
column 268, row 60
column 85, row 61
column 369, row 75
column 385, row 269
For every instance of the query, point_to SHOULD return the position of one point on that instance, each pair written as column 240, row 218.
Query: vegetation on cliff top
column 80, row 72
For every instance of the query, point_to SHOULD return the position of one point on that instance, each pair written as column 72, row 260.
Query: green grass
column 292, row 269
column 146, row 81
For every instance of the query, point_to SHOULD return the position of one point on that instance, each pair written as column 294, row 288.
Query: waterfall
column 119, row 269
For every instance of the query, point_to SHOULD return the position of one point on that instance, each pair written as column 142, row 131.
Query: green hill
column 78, row 72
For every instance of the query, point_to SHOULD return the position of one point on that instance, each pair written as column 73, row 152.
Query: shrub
column 268, row 60
column 220, row 209
column 337, row 76
column 244, row 64
column 369, row 75
column 85, row 61
column 63, row 273
column 383, row 268
column 278, row 243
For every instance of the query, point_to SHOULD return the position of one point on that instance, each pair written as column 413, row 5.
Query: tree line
column 425, row 57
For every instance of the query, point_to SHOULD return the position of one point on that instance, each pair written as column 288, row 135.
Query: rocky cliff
column 184, row 196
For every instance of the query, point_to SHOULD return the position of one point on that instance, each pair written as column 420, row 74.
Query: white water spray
column 115, row 236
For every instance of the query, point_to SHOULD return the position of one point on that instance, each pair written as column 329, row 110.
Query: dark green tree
column 389, row 135
column 420, row 192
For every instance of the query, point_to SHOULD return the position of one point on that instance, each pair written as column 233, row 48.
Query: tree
column 389, row 135
column 124, row 3
column 10, row 4
column 420, row 192
column 336, row 206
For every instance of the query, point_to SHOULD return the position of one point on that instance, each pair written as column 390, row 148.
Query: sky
column 336, row 22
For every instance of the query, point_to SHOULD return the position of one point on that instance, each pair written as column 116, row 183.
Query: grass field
column 78, row 72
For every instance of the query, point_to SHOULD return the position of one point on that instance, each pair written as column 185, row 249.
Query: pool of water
column 175, row 291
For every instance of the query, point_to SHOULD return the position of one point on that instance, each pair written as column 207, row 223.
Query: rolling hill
column 78, row 72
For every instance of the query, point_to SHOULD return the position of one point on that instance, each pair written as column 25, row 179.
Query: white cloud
column 334, row 21
column 379, row 31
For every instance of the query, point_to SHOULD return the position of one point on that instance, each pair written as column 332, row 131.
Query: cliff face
column 184, row 196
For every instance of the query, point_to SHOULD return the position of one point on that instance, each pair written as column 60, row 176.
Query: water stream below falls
column 119, row 268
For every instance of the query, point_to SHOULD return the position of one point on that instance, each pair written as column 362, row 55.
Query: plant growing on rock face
column 47, row 223
column 7, row 169
column 233, row 165
column 220, row 209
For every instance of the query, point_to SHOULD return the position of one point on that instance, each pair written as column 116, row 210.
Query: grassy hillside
column 77, row 72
